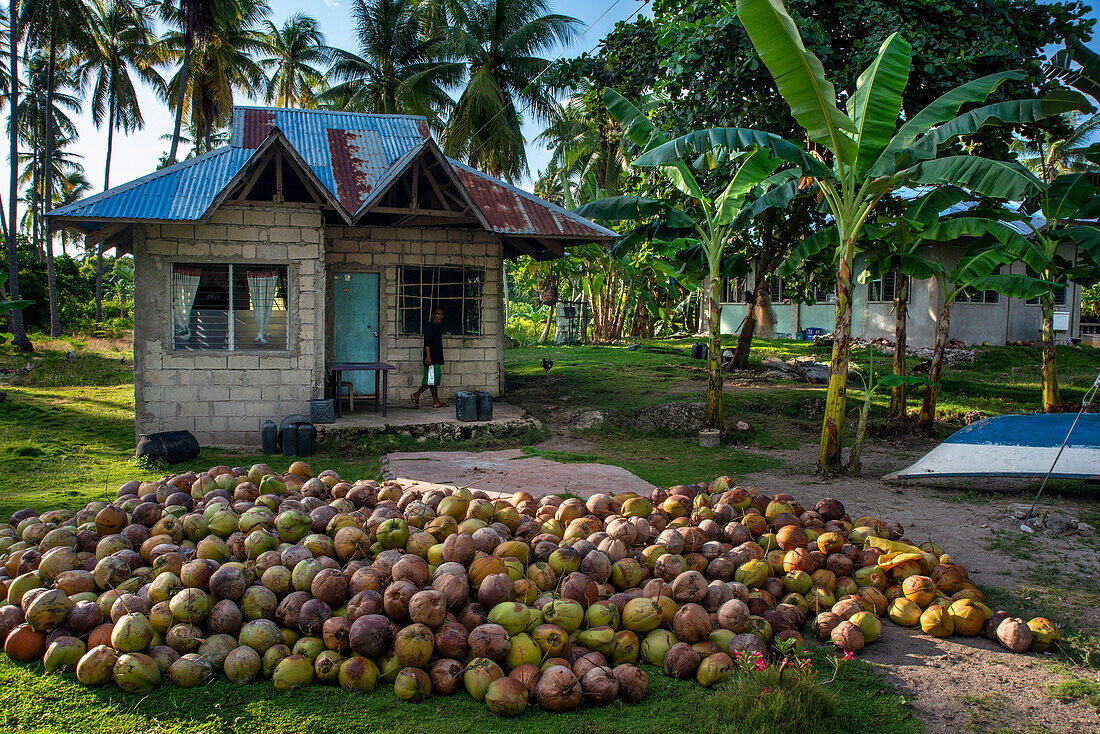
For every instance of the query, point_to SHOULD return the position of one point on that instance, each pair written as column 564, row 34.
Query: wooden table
column 337, row 369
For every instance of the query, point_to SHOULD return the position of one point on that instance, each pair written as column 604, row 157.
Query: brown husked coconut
column 848, row 637
column 599, row 686
column 396, row 599
column 1014, row 634
column 451, row 640
column 824, row 624
column 689, row 586
column 371, row 635
column 413, row 569
column 496, row 588
column 455, row 590
column 446, row 675
column 558, row 690
column 734, row 616
column 681, row 661
column 580, row 588
column 489, row 641
column 428, row 608
column 633, row 682
column 367, row 601
column 528, row 674
column 993, row 623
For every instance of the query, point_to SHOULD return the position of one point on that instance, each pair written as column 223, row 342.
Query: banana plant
column 870, row 387
column 896, row 245
column 712, row 224
column 1069, row 199
column 867, row 154
column 996, row 244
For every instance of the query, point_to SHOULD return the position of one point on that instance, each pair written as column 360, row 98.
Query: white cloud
column 331, row 3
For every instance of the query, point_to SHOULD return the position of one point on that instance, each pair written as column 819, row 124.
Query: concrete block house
column 983, row 317
column 312, row 237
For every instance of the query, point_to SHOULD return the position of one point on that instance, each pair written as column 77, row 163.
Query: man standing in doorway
column 433, row 359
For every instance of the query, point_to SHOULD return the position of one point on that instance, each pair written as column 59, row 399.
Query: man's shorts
column 432, row 375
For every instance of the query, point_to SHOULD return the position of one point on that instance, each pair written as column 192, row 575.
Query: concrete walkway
column 503, row 473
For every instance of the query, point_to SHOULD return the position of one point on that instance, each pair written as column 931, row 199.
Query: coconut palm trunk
column 106, row 185
column 181, row 94
column 47, row 188
column 898, row 407
column 19, row 331
column 1052, row 401
column 832, row 430
column 927, row 416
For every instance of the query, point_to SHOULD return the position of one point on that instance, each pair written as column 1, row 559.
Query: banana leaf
column 619, row 208
column 996, row 179
column 646, row 136
column 823, row 239
column 939, row 111
column 876, row 103
column 798, row 75
column 1066, row 195
column 1013, row 285
column 733, row 138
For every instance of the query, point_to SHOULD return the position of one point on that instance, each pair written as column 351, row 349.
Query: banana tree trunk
column 898, row 407
column 1052, row 401
column 715, row 408
column 927, row 417
column 832, row 429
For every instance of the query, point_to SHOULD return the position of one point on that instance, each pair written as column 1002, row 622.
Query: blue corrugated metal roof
column 353, row 155
column 183, row 191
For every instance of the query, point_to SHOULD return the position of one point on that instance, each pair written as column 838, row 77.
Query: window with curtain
column 456, row 289
column 234, row 307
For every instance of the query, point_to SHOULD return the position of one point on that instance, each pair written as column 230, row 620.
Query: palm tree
column 19, row 332
column 1054, row 154
column 399, row 69
column 297, row 48
column 215, row 69
column 581, row 146
column 500, row 41
column 73, row 187
column 45, row 125
column 121, row 46
column 198, row 24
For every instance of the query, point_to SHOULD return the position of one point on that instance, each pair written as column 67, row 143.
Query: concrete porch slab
column 505, row 472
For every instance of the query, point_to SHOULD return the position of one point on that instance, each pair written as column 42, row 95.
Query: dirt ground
column 954, row 684
column 960, row 684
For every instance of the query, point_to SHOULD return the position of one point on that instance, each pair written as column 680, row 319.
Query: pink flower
column 761, row 665
column 737, row 655
column 766, row 690
column 849, row 655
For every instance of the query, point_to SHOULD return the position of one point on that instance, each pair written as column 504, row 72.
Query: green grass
column 33, row 701
column 1074, row 688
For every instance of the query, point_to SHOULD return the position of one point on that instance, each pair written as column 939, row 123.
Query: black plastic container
column 322, row 411
column 269, row 437
column 307, row 435
column 290, row 440
column 484, row 406
column 466, row 406
column 700, row 350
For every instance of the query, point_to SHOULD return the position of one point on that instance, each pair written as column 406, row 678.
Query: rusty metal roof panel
column 180, row 192
column 512, row 210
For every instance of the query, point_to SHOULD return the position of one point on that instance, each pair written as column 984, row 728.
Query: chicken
column 547, row 364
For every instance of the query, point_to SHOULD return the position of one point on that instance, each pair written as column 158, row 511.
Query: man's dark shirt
column 433, row 340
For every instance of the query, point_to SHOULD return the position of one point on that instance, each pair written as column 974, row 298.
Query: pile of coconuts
column 304, row 578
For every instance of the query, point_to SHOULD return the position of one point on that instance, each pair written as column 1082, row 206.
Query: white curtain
column 185, row 284
column 262, row 285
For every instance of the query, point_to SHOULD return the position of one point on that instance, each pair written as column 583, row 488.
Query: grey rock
column 1085, row 529
column 591, row 419
column 677, row 417
column 1060, row 524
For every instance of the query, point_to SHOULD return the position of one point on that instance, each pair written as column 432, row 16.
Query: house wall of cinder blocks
column 223, row 396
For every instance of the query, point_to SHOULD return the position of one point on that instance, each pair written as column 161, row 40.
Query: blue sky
column 137, row 154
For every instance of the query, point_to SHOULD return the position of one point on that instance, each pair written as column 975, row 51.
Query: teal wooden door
column 355, row 325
